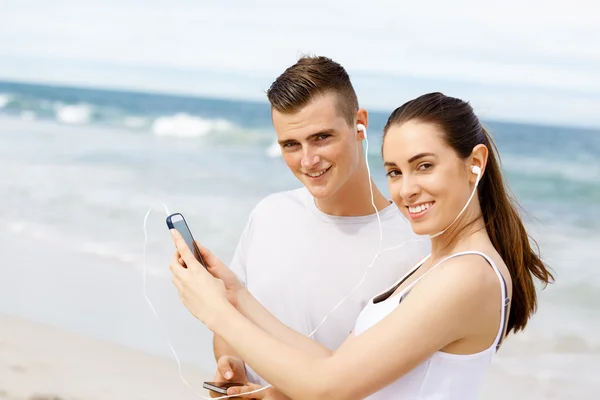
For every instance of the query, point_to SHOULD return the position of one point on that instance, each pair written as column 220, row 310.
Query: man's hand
column 229, row 369
column 266, row 394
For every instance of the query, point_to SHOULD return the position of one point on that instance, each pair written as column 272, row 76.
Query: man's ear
column 362, row 117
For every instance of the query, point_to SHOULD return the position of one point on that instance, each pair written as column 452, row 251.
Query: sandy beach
column 41, row 362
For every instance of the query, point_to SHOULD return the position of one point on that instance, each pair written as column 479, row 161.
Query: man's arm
column 222, row 348
column 230, row 368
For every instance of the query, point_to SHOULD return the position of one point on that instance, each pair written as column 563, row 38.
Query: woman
column 432, row 335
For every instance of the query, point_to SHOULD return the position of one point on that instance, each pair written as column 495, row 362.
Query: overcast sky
column 523, row 60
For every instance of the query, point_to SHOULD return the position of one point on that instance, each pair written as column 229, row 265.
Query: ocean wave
column 586, row 171
column 74, row 114
column 4, row 99
column 178, row 124
column 185, row 125
column 274, row 150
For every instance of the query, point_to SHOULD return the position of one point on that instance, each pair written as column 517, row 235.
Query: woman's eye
column 393, row 173
column 424, row 166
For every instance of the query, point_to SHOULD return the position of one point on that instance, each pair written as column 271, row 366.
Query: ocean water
column 80, row 168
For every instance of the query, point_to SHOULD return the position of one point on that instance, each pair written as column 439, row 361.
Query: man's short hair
column 310, row 77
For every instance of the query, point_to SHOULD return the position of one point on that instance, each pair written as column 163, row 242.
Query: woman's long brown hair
column 463, row 131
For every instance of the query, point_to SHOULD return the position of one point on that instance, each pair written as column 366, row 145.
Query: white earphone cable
column 160, row 321
column 475, row 170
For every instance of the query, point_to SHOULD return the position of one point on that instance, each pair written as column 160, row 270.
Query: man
column 302, row 251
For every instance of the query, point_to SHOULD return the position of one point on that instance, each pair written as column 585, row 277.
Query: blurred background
column 108, row 107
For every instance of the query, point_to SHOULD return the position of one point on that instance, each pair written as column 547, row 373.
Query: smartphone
column 220, row 387
column 176, row 221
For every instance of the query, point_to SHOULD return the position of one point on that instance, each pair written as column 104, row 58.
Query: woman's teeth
column 419, row 208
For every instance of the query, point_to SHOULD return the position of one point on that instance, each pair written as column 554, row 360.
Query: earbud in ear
column 477, row 171
column 361, row 127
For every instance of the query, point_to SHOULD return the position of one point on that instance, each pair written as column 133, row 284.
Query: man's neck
column 354, row 199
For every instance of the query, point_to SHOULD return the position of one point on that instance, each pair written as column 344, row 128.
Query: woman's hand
column 202, row 294
column 220, row 271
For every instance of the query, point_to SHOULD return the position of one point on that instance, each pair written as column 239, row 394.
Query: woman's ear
column 478, row 158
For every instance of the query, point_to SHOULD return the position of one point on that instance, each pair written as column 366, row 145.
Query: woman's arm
column 443, row 308
column 248, row 306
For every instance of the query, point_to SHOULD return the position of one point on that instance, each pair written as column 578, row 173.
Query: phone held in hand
column 220, row 387
column 176, row 221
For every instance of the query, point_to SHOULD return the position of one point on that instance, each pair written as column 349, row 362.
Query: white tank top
column 443, row 376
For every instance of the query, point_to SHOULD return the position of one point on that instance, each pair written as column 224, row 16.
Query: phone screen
column 178, row 222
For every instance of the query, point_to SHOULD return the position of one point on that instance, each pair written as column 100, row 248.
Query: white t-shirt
column 299, row 262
